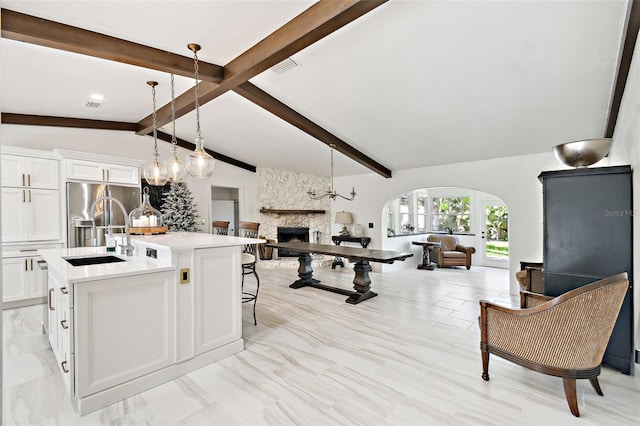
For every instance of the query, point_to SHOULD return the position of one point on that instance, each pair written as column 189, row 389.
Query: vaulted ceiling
column 396, row 85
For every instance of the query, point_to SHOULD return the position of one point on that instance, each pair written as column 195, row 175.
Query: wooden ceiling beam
column 191, row 146
column 259, row 97
column 79, row 123
column 318, row 21
column 30, row 29
column 633, row 27
column 83, row 123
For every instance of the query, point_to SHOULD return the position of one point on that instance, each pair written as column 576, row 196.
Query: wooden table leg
column 361, row 283
column 305, row 272
column 426, row 259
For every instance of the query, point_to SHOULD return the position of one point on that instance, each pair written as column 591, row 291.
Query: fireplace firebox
column 291, row 234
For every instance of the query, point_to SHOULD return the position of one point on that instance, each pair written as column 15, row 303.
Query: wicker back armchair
column 564, row 337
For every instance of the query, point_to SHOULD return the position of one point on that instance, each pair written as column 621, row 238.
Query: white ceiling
column 410, row 84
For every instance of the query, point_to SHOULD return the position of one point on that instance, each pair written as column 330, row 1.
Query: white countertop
column 133, row 265
column 138, row 263
column 192, row 240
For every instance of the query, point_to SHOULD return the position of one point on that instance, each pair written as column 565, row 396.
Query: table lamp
column 344, row 218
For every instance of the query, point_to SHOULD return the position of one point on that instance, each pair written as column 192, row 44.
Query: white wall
column 129, row 145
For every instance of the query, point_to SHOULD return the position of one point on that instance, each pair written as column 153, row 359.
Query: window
column 450, row 214
column 406, row 218
column 421, row 216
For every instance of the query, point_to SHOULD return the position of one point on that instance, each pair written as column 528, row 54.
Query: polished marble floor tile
column 407, row 357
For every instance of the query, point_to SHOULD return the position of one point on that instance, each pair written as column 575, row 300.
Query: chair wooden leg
column 596, row 385
column 485, row 366
column 570, row 394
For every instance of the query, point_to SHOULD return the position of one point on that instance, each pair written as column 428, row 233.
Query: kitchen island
column 122, row 327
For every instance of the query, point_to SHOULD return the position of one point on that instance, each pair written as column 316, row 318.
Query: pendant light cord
column 173, row 113
column 196, row 68
column 155, row 131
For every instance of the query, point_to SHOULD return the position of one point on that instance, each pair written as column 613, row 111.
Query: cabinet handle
column 64, row 324
column 103, row 177
column 26, row 264
column 23, row 179
column 29, row 179
column 29, row 195
column 64, row 290
column 51, row 308
column 31, row 264
column 24, row 196
column 108, row 177
column 64, row 364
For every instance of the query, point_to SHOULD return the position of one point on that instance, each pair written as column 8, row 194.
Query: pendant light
column 154, row 172
column 199, row 162
column 176, row 169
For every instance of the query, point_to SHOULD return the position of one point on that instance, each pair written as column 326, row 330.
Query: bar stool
column 220, row 227
column 249, row 230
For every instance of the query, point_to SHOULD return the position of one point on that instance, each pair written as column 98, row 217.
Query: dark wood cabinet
column 588, row 235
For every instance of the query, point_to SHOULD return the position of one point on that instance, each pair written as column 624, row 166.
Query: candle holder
column 145, row 219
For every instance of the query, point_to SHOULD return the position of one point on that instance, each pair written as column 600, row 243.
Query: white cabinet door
column 122, row 174
column 85, row 170
column 123, row 328
column 42, row 173
column 12, row 170
column 30, row 215
column 218, row 305
column 18, row 171
column 14, row 212
column 102, row 172
column 15, row 285
column 21, row 279
column 44, row 215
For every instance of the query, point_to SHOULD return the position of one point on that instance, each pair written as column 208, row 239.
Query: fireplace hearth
column 291, row 234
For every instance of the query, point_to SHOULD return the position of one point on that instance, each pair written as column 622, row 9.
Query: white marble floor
column 407, row 357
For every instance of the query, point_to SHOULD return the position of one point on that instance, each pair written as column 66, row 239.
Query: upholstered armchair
column 565, row 336
column 449, row 252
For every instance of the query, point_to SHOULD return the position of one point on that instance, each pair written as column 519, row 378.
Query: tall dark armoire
column 588, row 235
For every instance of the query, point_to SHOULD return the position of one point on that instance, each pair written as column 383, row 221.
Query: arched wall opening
column 413, row 215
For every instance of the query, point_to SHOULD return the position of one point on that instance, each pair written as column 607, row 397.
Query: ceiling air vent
column 92, row 104
column 285, row 65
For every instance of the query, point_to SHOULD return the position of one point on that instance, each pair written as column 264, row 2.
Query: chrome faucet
column 124, row 249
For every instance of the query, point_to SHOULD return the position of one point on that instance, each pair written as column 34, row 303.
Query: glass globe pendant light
column 154, row 172
column 199, row 162
column 176, row 169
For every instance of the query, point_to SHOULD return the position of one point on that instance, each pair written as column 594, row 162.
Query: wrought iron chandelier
column 331, row 193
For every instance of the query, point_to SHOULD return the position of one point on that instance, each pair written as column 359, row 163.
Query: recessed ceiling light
column 97, row 97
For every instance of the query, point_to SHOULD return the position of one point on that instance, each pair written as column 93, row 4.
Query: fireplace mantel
column 291, row 211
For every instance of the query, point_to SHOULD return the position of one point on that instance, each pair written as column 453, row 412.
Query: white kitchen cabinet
column 218, row 317
column 29, row 172
column 125, row 328
column 101, row 172
column 30, row 215
column 22, row 279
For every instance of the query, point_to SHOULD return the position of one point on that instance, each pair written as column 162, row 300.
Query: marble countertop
column 192, row 240
column 133, row 265
column 138, row 263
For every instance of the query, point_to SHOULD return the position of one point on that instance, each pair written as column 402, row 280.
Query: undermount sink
column 93, row 260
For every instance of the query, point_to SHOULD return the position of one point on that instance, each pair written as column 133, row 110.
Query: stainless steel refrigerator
column 81, row 220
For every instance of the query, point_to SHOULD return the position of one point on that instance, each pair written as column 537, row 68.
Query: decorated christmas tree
column 179, row 209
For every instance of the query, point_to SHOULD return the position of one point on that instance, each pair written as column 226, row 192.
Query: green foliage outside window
column 450, row 214
column 497, row 223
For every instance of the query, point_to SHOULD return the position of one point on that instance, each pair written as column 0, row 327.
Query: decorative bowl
column 582, row 153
